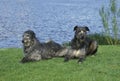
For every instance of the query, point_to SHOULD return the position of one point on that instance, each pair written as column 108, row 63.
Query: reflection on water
column 49, row 19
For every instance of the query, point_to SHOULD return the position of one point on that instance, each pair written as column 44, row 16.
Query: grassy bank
column 105, row 66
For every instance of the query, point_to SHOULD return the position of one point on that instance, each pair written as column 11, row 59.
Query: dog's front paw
column 80, row 60
column 66, row 60
column 24, row 60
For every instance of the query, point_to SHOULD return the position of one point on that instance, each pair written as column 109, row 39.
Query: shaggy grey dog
column 35, row 51
column 81, row 40
column 81, row 45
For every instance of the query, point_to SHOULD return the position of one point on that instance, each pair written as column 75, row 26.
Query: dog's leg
column 24, row 60
column 62, row 52
column 68, row 55
column 93, row 48
column 67, row 58
column 81, row 58
column 94, row 52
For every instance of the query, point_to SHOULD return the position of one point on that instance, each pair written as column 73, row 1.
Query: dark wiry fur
column 81, row 45
column 34, row 50
column 70, row 53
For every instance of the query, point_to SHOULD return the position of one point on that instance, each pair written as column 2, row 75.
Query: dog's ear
column 75, row 28
column 22, row 41
column 32, row 33
column 86, row 28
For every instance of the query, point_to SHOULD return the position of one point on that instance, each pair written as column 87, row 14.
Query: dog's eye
column 27, row 35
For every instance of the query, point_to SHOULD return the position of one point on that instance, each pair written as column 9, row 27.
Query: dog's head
column 81, row 32
column 28, row 38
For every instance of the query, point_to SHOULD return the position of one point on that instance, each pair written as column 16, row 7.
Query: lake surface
column 49, row 19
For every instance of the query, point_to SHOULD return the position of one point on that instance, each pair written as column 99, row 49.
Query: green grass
column 105, row 66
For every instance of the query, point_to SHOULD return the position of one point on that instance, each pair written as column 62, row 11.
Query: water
column 49, row 19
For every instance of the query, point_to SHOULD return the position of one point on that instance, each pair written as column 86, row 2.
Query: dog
column 34, row 50
column 81, row 40
column 81, row 45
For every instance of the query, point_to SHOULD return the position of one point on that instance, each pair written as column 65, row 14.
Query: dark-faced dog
column 81, row 45
column 35, row 51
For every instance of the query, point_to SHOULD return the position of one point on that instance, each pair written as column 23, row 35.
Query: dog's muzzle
column 26, row 42
column 82, row 37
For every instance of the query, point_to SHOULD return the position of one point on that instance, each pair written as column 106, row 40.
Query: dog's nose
column 24, row 41
column 82, row 37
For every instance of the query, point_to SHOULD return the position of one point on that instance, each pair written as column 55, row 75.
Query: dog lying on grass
column 81, row 45
column 81, row 40
column 35, row 51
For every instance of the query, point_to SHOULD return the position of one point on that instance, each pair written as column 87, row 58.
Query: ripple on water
column 49, row 19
